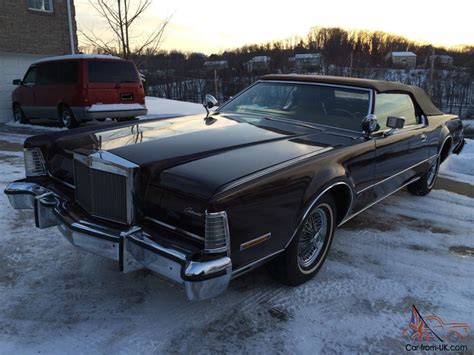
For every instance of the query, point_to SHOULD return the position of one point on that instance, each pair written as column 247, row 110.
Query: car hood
column 191, row 154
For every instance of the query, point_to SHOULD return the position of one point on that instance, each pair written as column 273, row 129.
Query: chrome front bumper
column 132, row 248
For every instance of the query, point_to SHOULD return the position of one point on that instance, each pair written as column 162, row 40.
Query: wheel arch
column 445, row 148
column 343, row 196
column 60, row 105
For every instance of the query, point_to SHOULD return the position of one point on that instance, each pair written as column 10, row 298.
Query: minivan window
column 47, row 74
column 30, row 77
column 57, row 73
column 399, row 105
column 68, row 72
column 112, row 71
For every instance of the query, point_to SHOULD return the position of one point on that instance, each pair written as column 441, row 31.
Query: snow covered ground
column 406, row 250
column 460, row 167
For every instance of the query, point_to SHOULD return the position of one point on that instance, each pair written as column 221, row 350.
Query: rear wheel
column 424, row 185
column 307, row 251
column 66, row 117
column 19, row 115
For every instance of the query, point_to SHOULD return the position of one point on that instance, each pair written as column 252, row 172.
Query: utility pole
column 432, row 63
column 350, row 65
column 432, row 71
column 215, row 83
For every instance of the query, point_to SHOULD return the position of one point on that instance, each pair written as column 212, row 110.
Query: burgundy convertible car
column 267, row 177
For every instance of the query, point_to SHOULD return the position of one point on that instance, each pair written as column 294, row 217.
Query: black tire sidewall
column 287, row 267
column 73, row 123
column 23, row 119
column 421, row 187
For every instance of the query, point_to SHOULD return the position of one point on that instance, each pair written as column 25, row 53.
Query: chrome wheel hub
column 17, row 114
column 66, row 118
column 312, row 237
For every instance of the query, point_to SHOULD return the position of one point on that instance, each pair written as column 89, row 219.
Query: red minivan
column 76, row 88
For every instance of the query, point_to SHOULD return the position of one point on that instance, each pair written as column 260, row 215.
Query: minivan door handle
column 423, row 137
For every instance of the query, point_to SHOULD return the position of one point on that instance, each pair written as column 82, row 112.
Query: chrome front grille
column 104, row 187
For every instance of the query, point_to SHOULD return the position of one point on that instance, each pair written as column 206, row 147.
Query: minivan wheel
column 66, row 118
column 19, row 115
column 307, row 251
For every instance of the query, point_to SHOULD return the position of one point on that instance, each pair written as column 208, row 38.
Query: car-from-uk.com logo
column 432, row 333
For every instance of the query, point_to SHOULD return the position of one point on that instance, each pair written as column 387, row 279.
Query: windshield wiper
column 295, row 122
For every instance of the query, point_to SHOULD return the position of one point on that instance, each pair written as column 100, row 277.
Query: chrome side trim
column 390, row 177
column 380, row 199
column 175, row 229
column 270, row 170
column 249, row 267
column 316, row 200
column 253, row 242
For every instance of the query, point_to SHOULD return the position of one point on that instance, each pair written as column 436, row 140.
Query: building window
column 41, row 5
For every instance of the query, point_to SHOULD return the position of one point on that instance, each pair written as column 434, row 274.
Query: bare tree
column 120, row 17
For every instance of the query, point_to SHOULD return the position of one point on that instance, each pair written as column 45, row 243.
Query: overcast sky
column 211, row 26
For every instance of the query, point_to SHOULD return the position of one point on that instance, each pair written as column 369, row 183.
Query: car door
column 27, row 92
column 400, row 155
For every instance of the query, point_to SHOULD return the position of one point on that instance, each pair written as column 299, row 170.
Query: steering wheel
column 341, row 110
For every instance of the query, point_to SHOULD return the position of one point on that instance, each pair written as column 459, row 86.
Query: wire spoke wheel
column 312, row 238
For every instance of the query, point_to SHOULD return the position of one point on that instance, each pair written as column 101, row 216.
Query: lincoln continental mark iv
column 265, row 177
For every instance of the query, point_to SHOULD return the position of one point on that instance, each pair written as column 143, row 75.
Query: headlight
column 216, row 236
column 34, row 162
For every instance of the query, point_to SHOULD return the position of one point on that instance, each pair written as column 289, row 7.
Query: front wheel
column 307, row 251
column 19, row 115
column 66, row 118
column 424, row 185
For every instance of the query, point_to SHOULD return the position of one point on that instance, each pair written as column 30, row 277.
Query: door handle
column 423, row 137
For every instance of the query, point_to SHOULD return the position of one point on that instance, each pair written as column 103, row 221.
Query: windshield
column 112, row 71
column 318, row 104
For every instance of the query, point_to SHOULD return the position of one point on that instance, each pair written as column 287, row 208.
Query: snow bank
column 460, row 167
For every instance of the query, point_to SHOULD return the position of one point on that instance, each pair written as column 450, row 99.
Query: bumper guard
column 133, row 248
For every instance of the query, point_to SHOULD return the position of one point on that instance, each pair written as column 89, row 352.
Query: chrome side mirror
column 209, row 102
column 369, row 125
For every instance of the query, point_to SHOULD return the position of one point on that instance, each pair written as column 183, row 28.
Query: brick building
column 29, row 30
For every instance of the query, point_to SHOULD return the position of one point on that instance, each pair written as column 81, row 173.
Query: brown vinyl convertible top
column 381, row 86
